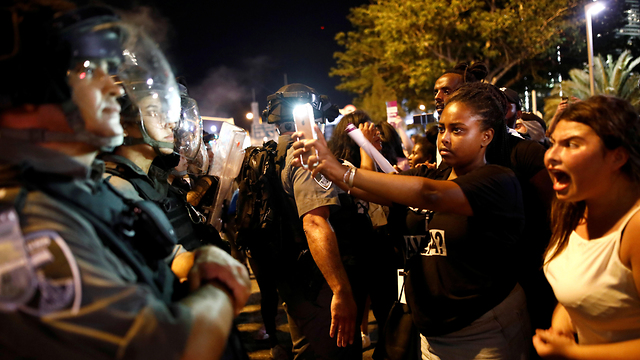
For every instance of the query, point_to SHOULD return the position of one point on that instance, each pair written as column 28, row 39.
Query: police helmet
column 50, row 47
column 280, row 105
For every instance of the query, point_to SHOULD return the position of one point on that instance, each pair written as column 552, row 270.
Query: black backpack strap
column 140, row 183
column 281, row 155
column 287, row 203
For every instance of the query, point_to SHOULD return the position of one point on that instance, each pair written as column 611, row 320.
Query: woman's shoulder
column 629, row 246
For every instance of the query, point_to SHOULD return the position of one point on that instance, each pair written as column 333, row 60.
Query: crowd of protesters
column 515, row 238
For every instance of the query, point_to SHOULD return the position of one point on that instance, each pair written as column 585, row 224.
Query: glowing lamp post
column 590, row 10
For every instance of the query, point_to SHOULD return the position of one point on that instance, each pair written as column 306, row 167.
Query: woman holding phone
column 593, row 260
column 461, row 286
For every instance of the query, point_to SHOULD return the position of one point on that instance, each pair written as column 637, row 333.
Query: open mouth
column 560, row 179
column 439, row 106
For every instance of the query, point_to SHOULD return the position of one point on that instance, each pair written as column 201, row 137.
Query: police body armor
column 137, row 232
column 171, row 200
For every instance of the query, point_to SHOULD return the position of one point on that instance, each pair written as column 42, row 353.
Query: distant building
column 632, row 28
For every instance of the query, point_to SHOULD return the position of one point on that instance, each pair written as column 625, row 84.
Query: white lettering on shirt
column 437, row 245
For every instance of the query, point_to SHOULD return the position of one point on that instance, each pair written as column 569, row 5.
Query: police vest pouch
column 17, row 275
column 152, row 228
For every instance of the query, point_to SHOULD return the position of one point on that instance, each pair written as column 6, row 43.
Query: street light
column 249, row 116
column 590, row 10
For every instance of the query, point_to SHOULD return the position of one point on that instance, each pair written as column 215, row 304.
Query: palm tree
column 611, row 78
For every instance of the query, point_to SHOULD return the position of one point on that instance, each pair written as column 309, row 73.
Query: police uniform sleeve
column 311, row 193
column 106, row 315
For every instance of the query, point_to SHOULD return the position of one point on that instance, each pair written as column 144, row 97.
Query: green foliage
column 409, row 43
column 611, row 77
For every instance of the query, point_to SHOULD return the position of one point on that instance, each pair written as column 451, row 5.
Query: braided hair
column 490, row 104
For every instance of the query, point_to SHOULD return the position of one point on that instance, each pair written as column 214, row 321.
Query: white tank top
column 597, row 290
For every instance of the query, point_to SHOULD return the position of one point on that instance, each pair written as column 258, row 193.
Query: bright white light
column 155, row 95
column 149, row 82
column 249, row 116
column 265, row 139
column 422, row 107
column 594, row 8
column 214, row 128
column 87, row 63
column 299, row 110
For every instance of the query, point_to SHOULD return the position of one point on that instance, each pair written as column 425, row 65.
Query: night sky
column 224, row 49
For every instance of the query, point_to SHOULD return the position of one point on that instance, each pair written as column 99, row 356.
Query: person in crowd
column 86, row 278
column 462, row 287
column 423, row 152
column 593, row 261
column 319, row 272
column 452, row 79
column 380, row 281
column 343, row 147
column 132, row 168
column 392, row 145
column 532, row 127
column 514, row 108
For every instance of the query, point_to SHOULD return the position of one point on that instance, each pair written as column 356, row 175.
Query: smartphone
column 303, row 117
column 304, row 120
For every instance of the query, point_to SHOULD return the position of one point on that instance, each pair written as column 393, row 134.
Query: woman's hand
column 322, row 161
column 551, row 344
column 371, row 133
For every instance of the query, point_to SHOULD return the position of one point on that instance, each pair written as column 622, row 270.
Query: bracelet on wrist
column 346, row 174
column 352, row 174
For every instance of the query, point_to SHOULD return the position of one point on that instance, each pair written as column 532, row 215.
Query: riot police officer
column 83, row 271
column 323, row 306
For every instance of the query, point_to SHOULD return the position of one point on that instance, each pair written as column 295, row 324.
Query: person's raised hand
column 322, row 160
column 214, row 265
column 369, row 130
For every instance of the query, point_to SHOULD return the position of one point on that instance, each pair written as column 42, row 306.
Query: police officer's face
column 94, row 92
column 155, row 122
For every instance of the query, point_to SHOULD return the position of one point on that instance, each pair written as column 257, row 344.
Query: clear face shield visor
column 125, row 54
column 200, row 165
column 149, row 82
column 188, row 133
